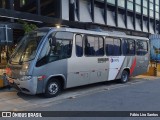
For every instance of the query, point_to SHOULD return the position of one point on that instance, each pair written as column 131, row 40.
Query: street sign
column 6, row 35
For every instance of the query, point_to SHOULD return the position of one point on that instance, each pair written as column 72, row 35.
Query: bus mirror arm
column 52, row 41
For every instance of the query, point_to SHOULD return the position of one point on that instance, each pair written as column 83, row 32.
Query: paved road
column 11, row 100
column 137, row 95
column 141, row 96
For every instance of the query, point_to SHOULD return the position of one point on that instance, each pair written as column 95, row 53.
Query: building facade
column 135, row 17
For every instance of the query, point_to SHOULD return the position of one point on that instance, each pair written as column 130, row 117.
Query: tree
column 27, row 27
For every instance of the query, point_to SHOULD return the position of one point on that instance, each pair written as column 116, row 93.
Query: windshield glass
column 27, row 48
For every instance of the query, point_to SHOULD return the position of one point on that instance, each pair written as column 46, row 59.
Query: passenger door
column 78, row 65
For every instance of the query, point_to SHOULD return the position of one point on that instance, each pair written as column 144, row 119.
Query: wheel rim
column 124, row 77
column 53, row 88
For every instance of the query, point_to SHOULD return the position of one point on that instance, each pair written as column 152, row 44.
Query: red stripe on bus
column 133, row 66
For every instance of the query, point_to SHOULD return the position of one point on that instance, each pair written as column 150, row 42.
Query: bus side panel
column 51, row 69
column 78, row 72
column 99, row 69
column 87, row 70
column 115, row 65
column 128, row 63
column 142, row 60
column 136, row 64
column 142, row 63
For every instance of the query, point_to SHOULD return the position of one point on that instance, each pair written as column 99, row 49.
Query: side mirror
column 52, row 41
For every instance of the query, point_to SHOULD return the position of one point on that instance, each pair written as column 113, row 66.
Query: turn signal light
column 41, row 77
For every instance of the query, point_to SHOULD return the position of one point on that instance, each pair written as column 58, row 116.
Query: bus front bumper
column 26, row 86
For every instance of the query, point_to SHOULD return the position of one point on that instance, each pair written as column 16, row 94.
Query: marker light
column 58, row 26
column 41, row 77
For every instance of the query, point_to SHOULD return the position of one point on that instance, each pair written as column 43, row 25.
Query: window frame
column 84, row 41
column 114, row 44
column 47, row 54
column 147, row 47
column 129, row 39
column 67, row 39
column 82, row 44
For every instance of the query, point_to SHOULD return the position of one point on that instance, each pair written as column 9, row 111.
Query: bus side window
column 79, row 46
column 89, row 46
column 141, row 47
column 109, row 47
column 62, row 48
column 99, row 46
column 117, row 47
column 94, row 46
column 128, row 47
column 113, row 46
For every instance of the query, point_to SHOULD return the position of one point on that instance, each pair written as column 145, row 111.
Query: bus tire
column 53, row 88
column 124, row 77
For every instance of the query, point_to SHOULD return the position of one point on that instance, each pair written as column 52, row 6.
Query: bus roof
column 95, row 32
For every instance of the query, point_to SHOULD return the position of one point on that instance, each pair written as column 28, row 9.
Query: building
column 140, row 16
column 134, row 17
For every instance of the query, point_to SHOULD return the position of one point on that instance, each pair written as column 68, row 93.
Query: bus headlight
column 24, row 70
column 25, row 78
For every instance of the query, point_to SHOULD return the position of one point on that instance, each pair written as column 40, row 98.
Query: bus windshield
column 27, row 48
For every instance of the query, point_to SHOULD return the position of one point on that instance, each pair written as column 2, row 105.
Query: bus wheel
column 53, row 88
column 124, row 77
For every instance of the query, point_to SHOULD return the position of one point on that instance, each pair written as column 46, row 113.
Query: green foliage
column 27, row 27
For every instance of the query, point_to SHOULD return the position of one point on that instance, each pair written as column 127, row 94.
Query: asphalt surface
column 136, row 95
